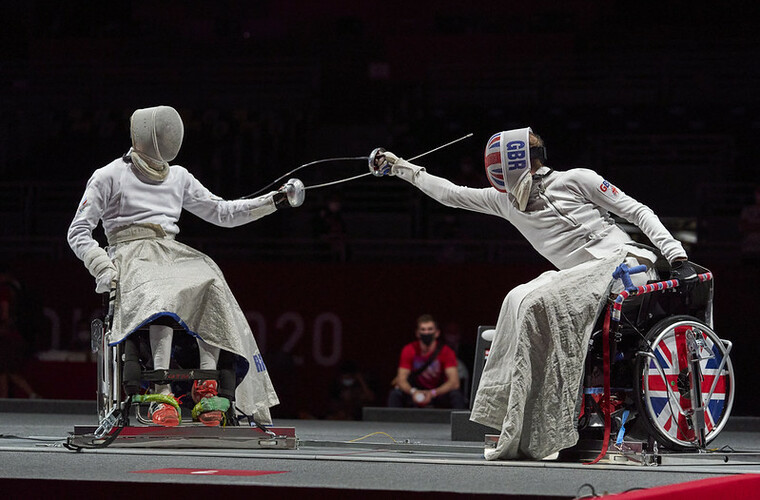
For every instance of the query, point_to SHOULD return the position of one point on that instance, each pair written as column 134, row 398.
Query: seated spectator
column 428, row 374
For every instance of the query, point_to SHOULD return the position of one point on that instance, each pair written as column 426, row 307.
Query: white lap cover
column 531, row 380
column 159, row 277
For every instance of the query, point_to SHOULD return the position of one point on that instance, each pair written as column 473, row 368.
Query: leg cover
column 161, row 347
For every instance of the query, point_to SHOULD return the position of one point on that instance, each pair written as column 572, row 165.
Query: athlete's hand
column 683, row 271
column 381, row 162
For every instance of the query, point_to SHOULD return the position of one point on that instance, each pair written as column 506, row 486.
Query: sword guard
column 378, row 163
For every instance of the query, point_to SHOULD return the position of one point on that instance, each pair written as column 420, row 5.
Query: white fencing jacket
column 567, row 218
column 120, row 198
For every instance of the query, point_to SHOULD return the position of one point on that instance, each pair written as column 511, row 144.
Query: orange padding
column 738, row 487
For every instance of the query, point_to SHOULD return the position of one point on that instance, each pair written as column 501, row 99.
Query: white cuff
column 96, row 261
column 405, row 170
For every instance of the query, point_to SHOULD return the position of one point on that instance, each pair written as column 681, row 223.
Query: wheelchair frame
column 697, row 346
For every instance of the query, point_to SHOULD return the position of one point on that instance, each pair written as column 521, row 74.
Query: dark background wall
column 660, row 98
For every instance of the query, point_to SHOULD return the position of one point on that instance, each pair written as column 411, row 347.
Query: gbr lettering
column 516, row 155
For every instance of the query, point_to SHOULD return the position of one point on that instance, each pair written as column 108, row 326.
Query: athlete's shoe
column 211, row 418
column 164, row 414
column 204, row 389
column 210, row 411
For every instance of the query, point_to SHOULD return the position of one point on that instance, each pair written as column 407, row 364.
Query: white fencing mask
column 507, row 161
column 156, row 138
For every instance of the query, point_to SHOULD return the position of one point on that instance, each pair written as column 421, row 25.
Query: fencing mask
column 156, row 138
column 507, row 161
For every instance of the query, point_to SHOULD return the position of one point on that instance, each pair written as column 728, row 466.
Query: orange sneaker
column 204, row 389
column 211, row 418
column 164, row 414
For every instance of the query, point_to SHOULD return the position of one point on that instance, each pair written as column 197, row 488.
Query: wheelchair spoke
column 719, row 371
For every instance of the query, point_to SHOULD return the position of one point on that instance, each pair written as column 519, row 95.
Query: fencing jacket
column 120, row 198
column 567, row 218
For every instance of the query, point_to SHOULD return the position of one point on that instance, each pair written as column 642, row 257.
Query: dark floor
column 327, row 461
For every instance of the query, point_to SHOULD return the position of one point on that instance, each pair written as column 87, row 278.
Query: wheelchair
column 124, row 376
column 124, row 371
column 669, row 378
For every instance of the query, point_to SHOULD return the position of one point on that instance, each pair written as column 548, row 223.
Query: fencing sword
column 374, row 153
column 315, row 162
column 349, row 158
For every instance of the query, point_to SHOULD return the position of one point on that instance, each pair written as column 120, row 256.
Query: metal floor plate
column 193, row 436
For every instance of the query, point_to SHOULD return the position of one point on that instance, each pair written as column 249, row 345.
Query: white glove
column 382, row 162
column 104, row 279
column 402, row 168
column 96, row 261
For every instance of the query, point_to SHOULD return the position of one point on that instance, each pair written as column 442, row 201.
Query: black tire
column 659, row 406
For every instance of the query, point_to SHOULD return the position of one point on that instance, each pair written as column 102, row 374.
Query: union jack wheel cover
column 663, row 407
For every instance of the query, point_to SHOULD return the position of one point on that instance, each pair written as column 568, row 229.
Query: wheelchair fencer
column 655, row 370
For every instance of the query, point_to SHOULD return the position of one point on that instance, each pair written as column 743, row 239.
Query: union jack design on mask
column 494, row 169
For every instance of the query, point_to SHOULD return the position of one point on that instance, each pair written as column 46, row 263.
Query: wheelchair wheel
column 663, row 382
